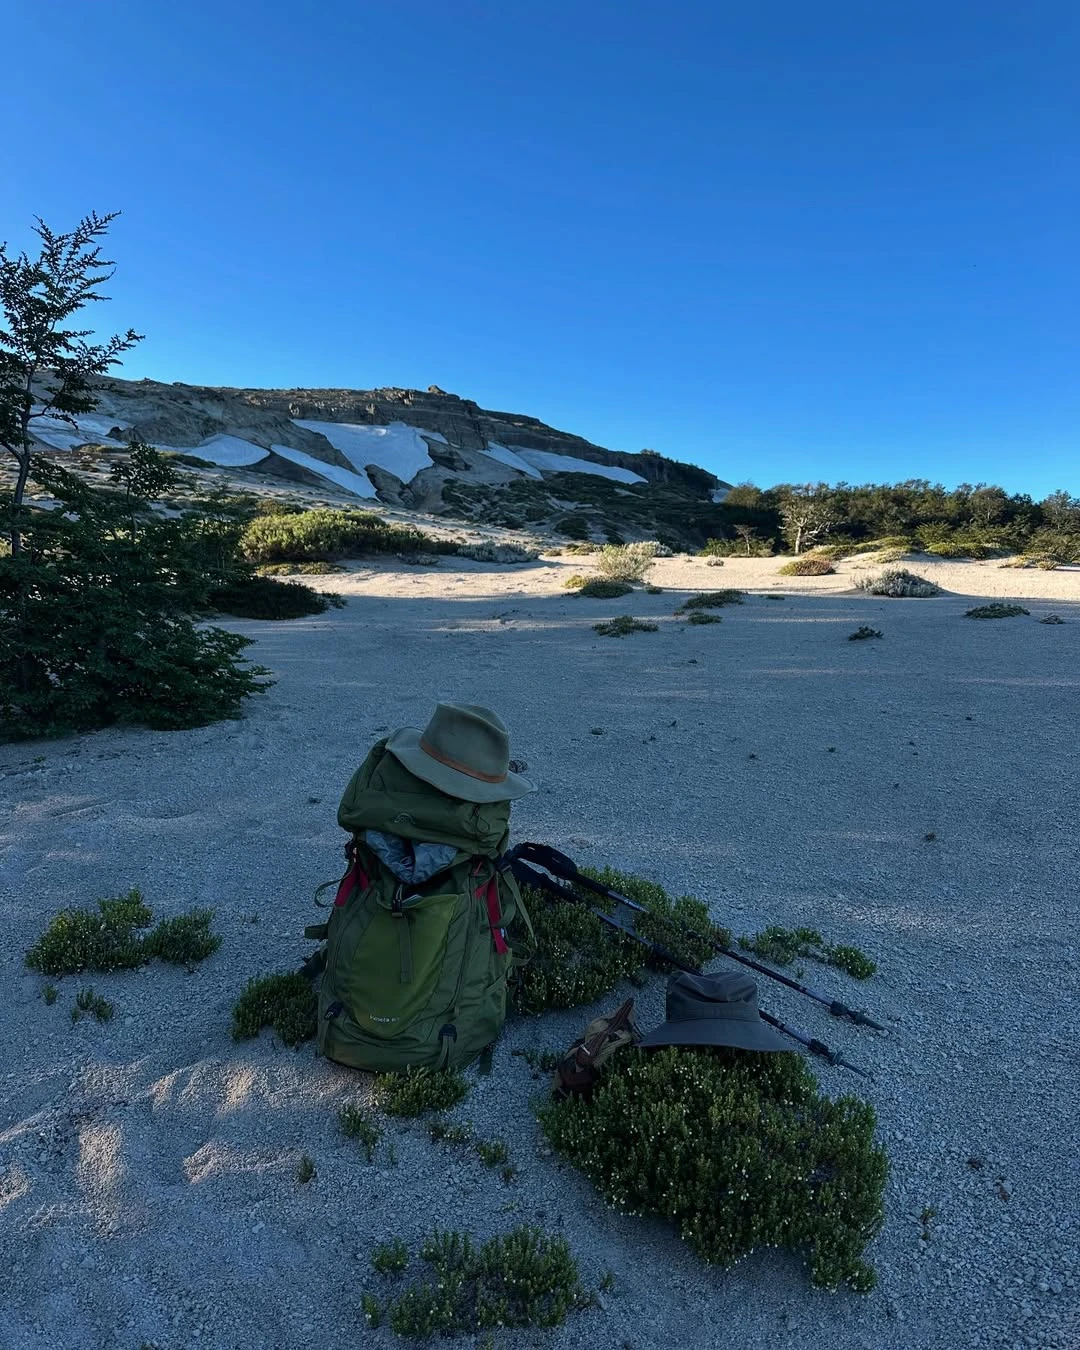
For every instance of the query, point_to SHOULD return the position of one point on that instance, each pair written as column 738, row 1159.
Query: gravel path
column 147, row 1165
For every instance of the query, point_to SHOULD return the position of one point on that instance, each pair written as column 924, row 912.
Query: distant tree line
column 971, row 520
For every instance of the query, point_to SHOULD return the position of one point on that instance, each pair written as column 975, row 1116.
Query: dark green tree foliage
column 739, row 1150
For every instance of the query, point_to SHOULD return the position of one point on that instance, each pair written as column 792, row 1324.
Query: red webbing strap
column 355, row 876
column 495, row 917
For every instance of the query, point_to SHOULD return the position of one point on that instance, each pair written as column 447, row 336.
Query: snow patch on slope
column 89, row 428
column 398, row 448
column 230, row 452
column 547, row 459
column 511, row 460
column 357, row 483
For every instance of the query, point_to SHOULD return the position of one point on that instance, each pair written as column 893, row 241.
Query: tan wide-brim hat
column 463, row 751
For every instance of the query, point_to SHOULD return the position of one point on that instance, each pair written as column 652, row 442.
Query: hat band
column 429, row 749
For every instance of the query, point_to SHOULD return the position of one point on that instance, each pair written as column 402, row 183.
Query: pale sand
column 148, row 1165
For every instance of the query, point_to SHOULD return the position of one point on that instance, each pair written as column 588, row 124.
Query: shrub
column 739, row 1149
column 809, row 565
column 575, row 581
column 783, row 945
column 711, row 600
column 306, row 569
column 390, row 1258
column 1051, row 618
column 325, row 534
column 264, row 598
column 582, row 549
column 577, row 958
column 896, row 583
column 864, row 632
column 442, row 1132
column 700, row 616
column 50, row 994
column 87, row 1001
column 111, row 939
column 356, row 1123
column 574, row 527
column 598, row 589
column 417, row 1091
column 492, row 1152
column 287, row 1003
column 522, row 1279
column 996, row 611
column 497, row 553
column 622, row 626
column 625, row 562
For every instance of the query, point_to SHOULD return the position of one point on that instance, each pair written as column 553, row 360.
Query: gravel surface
column 148, row 1189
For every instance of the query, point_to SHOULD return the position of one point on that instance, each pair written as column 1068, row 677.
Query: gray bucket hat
column 713, row 1010
column 464, row 751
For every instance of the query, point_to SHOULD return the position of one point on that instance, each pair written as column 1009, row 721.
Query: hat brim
column 404, row 745
column 738, row 1035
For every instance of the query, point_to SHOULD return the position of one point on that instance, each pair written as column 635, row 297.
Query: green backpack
column 416, row 975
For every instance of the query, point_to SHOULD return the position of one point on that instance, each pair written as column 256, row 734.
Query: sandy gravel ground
column 147, row 1165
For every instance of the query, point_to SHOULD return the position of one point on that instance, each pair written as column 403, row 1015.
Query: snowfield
column 547, row 459
column 511, row 460
column 398, row 448
column 228, row 451
column 89, row 428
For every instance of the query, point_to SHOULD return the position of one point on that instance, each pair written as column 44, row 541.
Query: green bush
column 261, row 597
column 897, row 583
column 358, row 1123
column 860, row 634
column 111, row 938
column 625, row 562
column 622, row 626
column 306, row 569
column 86, row 1001
column 417, row 1091
column 575, row 581
column 390, row 1258
column 287, row 1003
column 710, row 600
column 521, row 1279
column 596, row 588
column 700, row 616
column 326, row 534
column 739, row 1149
column 809, row 565
column 783, row 945
column 573, row 527
column 996, row 611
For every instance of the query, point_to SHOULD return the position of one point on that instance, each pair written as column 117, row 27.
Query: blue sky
column 785, row 241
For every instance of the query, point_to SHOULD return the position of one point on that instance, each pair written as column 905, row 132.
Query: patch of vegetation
column 898, row 583
column 390, row 1258
column 443, row 1132
column 1051, row 618
column 710, row 600
column 739, row 1149
column 323, row 535
column 190, row 461
column 596, row 588
column 700, row 616
column 521, row 1279
column 573, row 527
column 860, row 634
column 112, row 938
column 783, row 945
column 285, row 1002
column 996, row 611
column 623, row 625
column 50, row 994
column 492, row 552
column 261, row 597
column 808, row 565
column 582, row 548
column 356, row 1123
column 575, row 581
column 654, row 590
column 417, row 1091
column 626, row 562
column 305, row 1170
column 577, row 958
column 492, row 1152
column 86, row 1001
column 307, row 569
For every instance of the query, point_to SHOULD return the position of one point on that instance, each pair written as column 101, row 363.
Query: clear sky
column 783, row 240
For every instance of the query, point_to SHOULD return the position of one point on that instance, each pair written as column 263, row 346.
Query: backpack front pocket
column 391, row 975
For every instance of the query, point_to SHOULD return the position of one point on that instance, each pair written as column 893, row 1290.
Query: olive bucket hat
column 463, row 751
column 713, row 1010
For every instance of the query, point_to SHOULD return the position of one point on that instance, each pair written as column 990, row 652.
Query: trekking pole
column 528, row 876
column 559, row 865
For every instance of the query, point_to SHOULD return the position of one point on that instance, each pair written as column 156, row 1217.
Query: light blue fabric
column 411, row 861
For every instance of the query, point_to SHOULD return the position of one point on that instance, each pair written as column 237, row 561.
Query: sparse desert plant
column 86, row 1001
column 305, row 1170
column 1051, row 618
column 575, row 581
column 710, row 600
column 390, row 1258
column 417, row 1091
column 490, row 551
column 863, row 632
column 809, row 565
column 50, row 994
column 996, row 611
column 783, row 945
column 623, row 625
column 898, row 583
column 625, row 562
column 285, row 1002
column 700, row 616
column 597, row 588
column 521, row 1279
column 582, row 549
column 740, row 1149
column 357, row 1123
